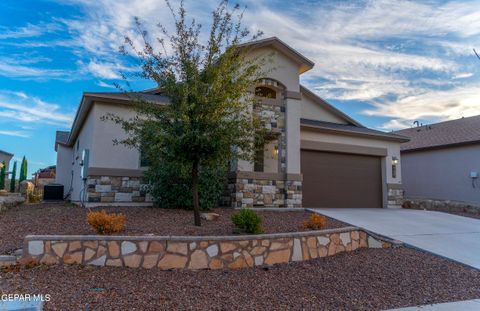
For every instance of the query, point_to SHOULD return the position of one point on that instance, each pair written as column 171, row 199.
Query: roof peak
column 305, row 64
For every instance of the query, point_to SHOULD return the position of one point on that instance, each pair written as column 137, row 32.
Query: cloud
column 15, row 133
column 28, row 109
column 17, row 66
column 21, row 32
column 396, row 56
column 407, row 60
column 103, row 84
column 104, row 70
column 429, row 106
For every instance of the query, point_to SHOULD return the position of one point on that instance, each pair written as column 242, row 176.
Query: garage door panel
column 341, row 180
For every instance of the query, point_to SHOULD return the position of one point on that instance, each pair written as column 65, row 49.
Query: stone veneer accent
column 187, row 252
column 272, row 189
column 395, row 195
column 264, row 193
column 114, row 189
column 442, row 205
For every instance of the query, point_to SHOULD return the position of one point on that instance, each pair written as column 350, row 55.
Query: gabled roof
column 89, row 98
column 304, row 63
column 61, row 137
column 325, row 105
column 7, row 153
column 349, row 129
column 452, row 133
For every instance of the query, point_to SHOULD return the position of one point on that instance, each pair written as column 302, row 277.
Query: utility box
column 53, row 192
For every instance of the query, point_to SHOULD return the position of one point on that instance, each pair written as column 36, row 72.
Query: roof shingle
column 352, row 129
column 443, row 134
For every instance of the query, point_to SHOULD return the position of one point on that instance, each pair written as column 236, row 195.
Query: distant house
column 44, row 176
column 5, row 156
column 319, row 157
column 442, row 161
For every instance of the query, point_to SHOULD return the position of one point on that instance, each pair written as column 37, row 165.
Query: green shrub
column 248, row 221
column 170, row 186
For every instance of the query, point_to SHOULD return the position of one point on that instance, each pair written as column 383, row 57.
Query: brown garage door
column 341, row 180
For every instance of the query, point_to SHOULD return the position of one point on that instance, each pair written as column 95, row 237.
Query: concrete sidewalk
column 467, row 305
column 447, row 235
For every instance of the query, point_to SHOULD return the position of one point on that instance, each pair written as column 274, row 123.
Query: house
column 44, row 176
column 442, row 161
column 5, row 156
column 320, row 157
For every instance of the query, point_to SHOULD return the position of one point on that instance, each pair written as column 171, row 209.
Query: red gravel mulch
column 39, row 219
column 368, row 279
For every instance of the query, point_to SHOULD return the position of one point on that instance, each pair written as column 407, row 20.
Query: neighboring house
column 44, row 176
column 5, row 156
column 319, row 158
column 441, row 160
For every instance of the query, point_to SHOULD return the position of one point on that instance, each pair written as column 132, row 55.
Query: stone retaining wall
column 10, row 200
column 442, row 205
column 187, row 252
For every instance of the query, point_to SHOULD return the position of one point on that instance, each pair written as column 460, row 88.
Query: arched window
column 266, row 92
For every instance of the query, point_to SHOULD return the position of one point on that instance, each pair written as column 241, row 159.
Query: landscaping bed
column 67, row 219
column 368, row 279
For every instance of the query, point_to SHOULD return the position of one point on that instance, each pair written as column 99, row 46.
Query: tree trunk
column 196, row 202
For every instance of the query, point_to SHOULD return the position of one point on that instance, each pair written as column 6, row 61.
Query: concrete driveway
column 451, row 236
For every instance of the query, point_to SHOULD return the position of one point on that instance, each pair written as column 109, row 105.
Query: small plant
column 248, row 221
column 34, row 196
column 105, row 223
column 315, row 222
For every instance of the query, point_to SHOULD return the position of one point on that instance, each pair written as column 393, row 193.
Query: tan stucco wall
column 106, row 154
column 393, row 149
column 6, row 158
column 293, row 113
column 84, row 141
column 97, row 136
column 64, row 167
column 313, row 111
column 280, row 67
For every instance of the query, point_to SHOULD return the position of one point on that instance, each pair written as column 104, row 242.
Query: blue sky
column 386, row 63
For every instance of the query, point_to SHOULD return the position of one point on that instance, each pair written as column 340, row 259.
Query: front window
column 266, row 158
column 144, row 160
column 266, row 92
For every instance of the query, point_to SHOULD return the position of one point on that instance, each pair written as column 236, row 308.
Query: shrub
column 315, row 222
column 170, row 185
column 34, row 196
column 105, row 223
column 248, row 221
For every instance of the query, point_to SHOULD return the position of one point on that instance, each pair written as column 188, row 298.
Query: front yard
column 62, row 219
column 367, row 279
column 364, row 279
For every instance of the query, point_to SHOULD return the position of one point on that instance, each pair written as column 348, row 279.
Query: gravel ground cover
column 367, row 279
column 20, row 221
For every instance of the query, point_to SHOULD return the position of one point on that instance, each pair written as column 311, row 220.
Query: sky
column 386, row 63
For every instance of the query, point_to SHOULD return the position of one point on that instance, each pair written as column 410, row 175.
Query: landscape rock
column 209, row 216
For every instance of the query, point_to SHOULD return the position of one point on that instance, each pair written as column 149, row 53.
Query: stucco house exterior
column 320, row 157
column 442, row 161
column 5, row 156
